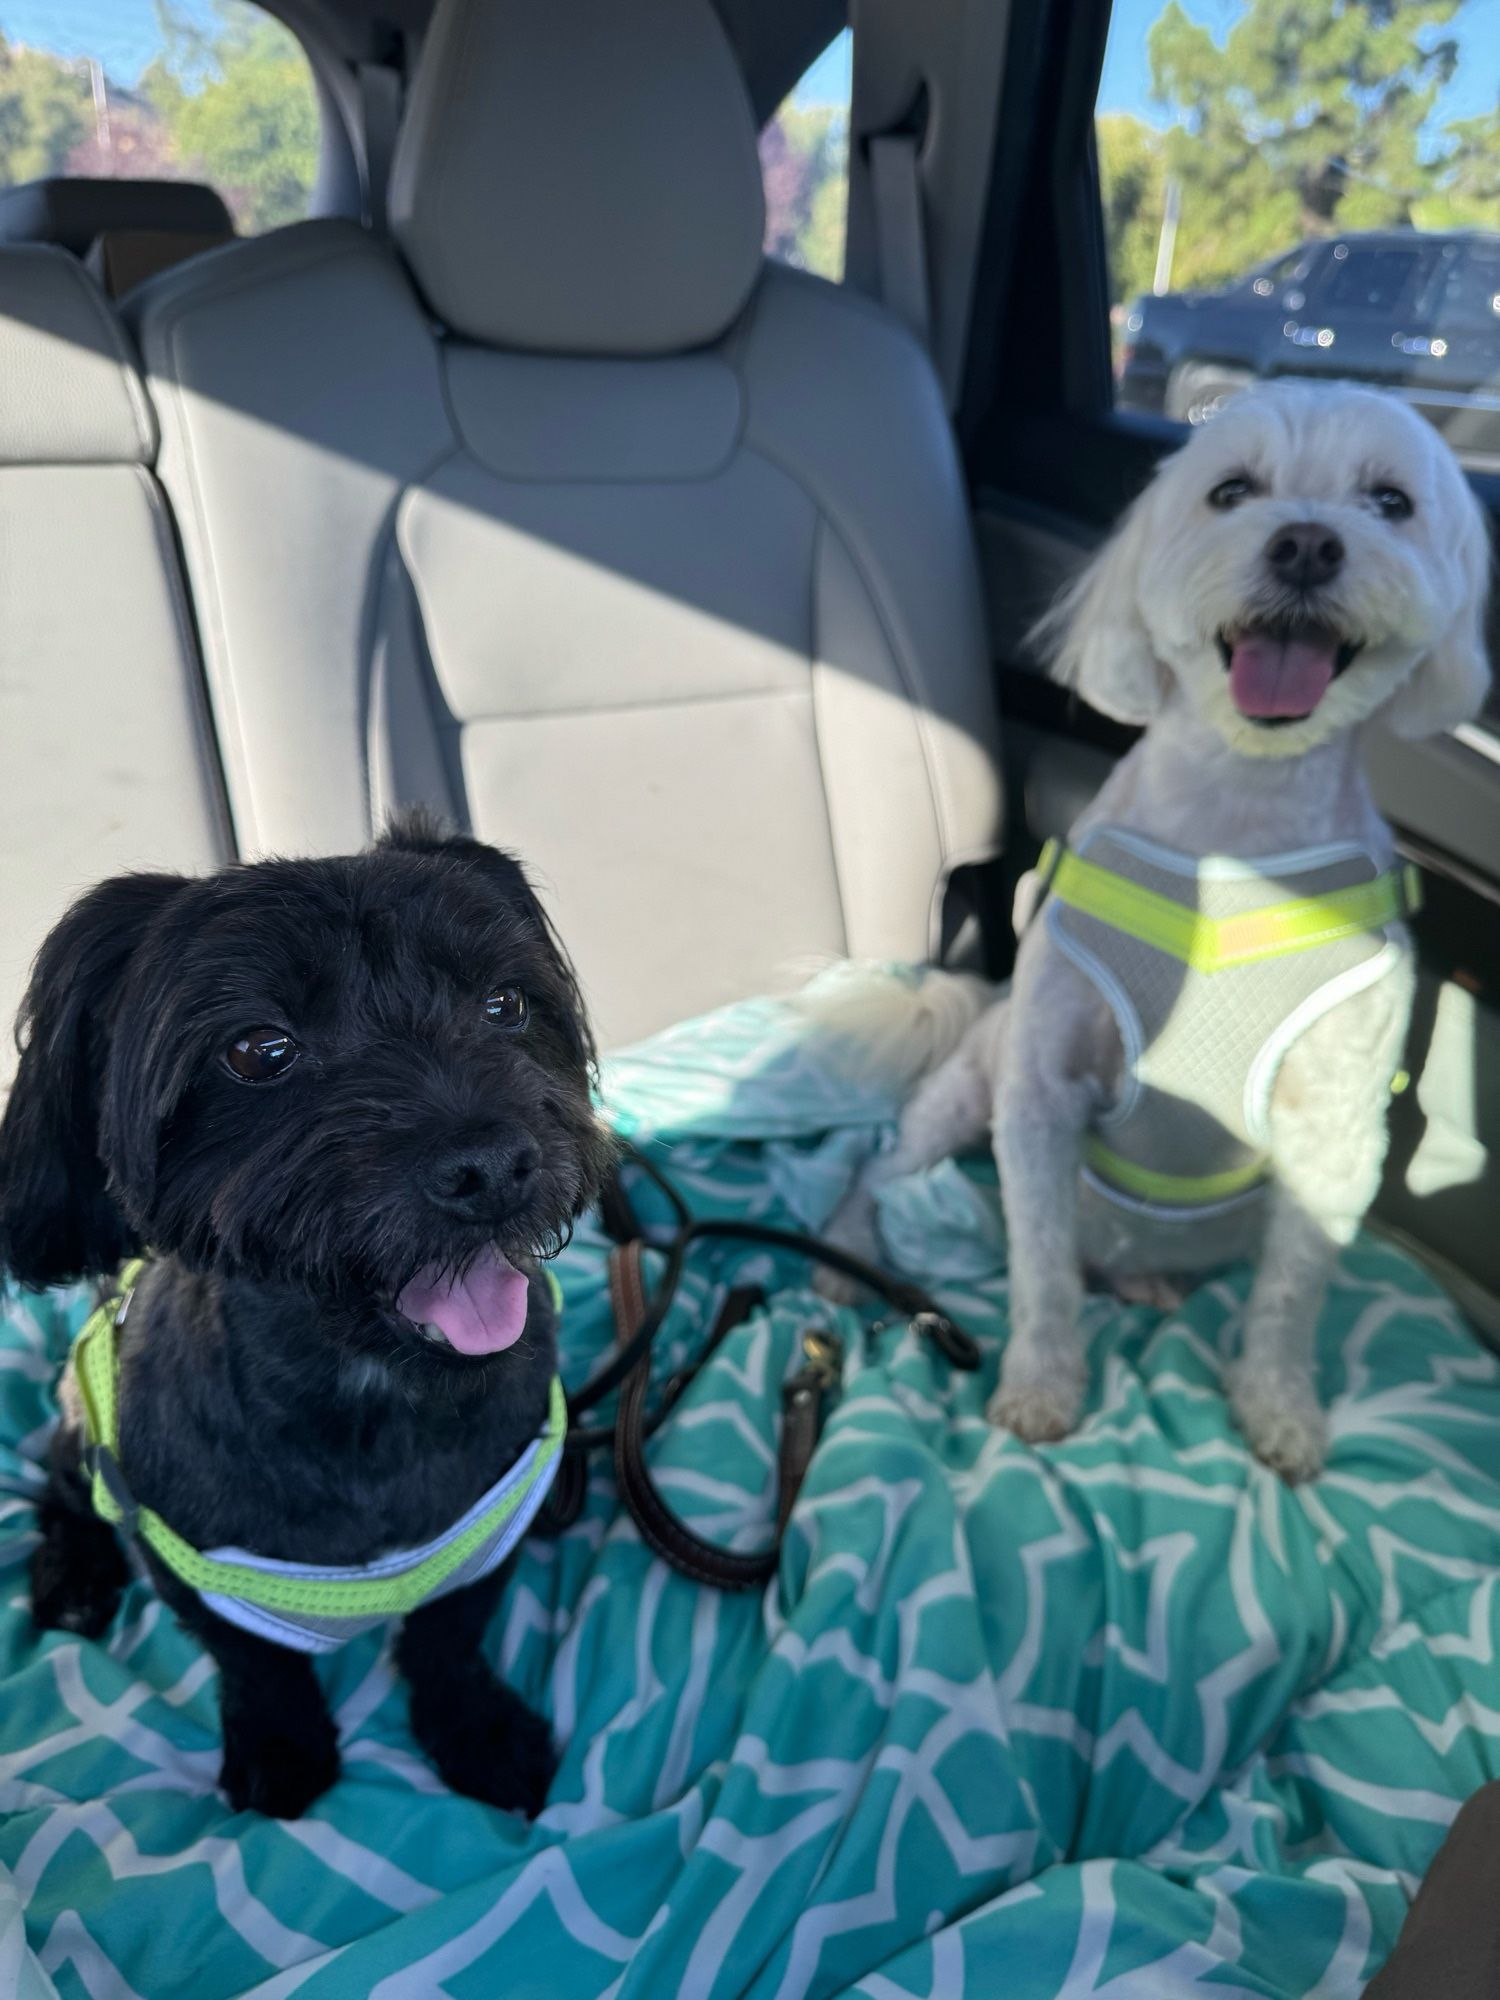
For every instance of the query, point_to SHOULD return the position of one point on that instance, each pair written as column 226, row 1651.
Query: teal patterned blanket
column 1118, row 1717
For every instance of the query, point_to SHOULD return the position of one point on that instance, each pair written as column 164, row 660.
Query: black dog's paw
column 490, row 1746
column 77, row 1582
column 279, row 1773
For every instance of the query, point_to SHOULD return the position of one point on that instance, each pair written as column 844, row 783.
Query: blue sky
column 827, row 82
column 127, row 34
column 124, row 34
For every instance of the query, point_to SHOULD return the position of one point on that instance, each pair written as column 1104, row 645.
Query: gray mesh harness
column 1212, row 968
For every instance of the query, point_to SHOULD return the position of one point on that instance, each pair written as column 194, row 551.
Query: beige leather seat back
column 631, row 552
column 105, row 758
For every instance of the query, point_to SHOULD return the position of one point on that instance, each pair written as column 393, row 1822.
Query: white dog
column 1207, row 1011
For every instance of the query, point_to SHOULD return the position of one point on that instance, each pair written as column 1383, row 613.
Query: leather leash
column 639, row 1314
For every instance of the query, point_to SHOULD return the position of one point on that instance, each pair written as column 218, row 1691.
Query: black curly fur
column 272, row 1396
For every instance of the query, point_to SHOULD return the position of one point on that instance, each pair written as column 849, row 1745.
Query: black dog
column 346, row 1102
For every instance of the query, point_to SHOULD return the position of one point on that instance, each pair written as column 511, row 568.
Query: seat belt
column 380, row 95
column 900, row 232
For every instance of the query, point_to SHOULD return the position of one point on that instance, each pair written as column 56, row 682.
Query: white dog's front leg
column 1039, row 1128
column 1273, row 1386
column 1328, row 1139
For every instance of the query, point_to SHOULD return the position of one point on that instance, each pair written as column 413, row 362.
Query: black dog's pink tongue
column 1270, row 676
column 482, row 1312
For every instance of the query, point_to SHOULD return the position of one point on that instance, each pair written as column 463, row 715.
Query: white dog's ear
column 1449, row 684
column 1095, row 637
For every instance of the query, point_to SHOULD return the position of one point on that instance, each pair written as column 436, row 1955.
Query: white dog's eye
column 1392, row 503
column 1230, row 492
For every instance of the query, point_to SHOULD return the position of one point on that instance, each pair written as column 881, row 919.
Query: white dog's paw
column 1283, row 1421
column 1038, row 1408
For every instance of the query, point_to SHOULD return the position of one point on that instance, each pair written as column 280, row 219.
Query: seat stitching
column 699, row 477
column 816, row 669
column 909, row 678
column 135, row 394
column 739, row 337
column 387, row 541
column 222, row 683
column 448, row 126
column 172, row 578
column 172, row 317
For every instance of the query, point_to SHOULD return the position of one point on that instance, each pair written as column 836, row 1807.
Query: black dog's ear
column 419, row 831
column 57, row 1219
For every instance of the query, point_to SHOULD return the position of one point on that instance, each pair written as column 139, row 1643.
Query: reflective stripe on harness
column 381, row 1589
column 1211, row 944
column 1170, row 1190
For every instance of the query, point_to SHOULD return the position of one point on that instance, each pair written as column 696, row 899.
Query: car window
column 1268, row 280
column 202, row 90
column 1341, row 163
column 1370, row 279
column 1466, row 296
column 804, row 158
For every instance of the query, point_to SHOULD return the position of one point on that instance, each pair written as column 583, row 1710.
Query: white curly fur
column 1139, row 636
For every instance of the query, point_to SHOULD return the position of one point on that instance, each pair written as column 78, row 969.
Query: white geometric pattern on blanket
column 1123, row 1717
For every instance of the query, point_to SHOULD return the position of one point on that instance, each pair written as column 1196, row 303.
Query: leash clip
column 958, row 1348
column 822, row 1367
column 824, row 1354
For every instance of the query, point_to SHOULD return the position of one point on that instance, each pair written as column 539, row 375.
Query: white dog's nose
column 1305, row 554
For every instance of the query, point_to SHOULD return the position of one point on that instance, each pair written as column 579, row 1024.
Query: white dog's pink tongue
column 1270, row 676
column 483, row 1312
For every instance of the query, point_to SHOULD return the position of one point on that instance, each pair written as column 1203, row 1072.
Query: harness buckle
column 105, row 1467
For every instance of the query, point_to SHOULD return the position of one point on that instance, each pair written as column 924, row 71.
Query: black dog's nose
column 481, row 1182
column 1305, row 554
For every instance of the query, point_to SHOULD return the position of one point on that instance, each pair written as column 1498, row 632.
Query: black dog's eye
column 506, row 1007
column 1392, row 503
column 1230, row 492
column 261, row 1055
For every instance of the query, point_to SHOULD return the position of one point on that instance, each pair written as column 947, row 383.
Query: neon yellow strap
column 1171, row 1190
column 1210, row 944
column 96, row 1366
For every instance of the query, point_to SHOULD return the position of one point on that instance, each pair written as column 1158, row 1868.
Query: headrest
column 121, row 259
column 579, row 176
column 74, row 212
column 69, row 391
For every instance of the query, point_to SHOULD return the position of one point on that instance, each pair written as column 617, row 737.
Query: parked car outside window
column 1310, row 192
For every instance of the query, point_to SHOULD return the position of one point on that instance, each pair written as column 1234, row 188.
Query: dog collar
column 310, row 1607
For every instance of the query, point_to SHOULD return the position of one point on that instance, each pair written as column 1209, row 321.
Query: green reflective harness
column 311, row 1607
column 1211, row 971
